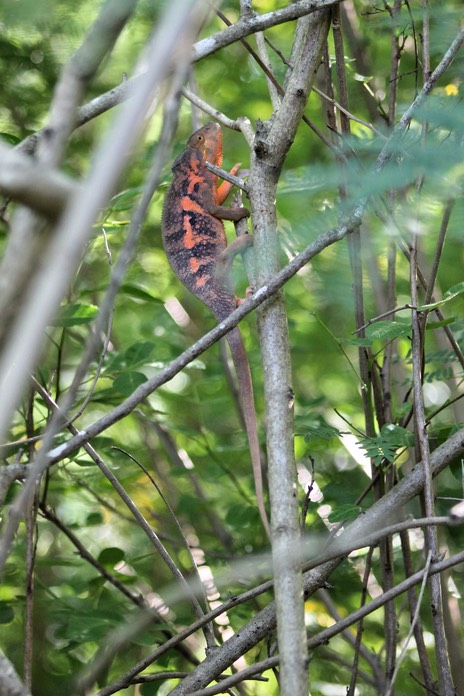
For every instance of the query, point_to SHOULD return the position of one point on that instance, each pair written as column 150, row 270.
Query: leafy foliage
column 386, row 445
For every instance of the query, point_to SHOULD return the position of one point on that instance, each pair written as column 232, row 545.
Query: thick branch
column 272, row 143
column 10, row 683
column 251, row 24
column 24, row 180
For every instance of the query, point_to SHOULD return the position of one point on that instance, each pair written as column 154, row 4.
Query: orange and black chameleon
column 196, row 247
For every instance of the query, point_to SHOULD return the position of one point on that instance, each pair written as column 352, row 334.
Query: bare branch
column 24, row 180
column 10, row 683
column 250, row 24
column 9, row 474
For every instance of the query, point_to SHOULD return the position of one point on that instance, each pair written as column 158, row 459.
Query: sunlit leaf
column 75, row 314
column 447, row 297
column 345, row 513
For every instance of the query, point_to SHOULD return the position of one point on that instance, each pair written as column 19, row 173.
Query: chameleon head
column 207, row 141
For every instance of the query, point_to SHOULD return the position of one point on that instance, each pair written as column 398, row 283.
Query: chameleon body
column 195, row 243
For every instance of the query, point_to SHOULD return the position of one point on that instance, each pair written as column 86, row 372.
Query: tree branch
column 10, row 683
column 47, row 191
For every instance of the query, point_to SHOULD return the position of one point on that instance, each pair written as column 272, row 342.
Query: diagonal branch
column 46, row 191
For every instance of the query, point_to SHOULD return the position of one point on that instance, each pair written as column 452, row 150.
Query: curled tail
column 245, row 384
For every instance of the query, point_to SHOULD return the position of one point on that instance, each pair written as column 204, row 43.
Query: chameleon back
column 193, row 238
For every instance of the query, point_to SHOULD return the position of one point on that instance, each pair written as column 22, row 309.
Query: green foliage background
column 75, row 609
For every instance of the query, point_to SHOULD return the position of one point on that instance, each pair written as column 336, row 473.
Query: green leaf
column 139, row 353
column 397, row 435
column 431, row 325
column 449, row 295
column 388, row 330
column 83, row 628
column 381, row 331
column 7, row 613
column 94, row 518
column 314, row 427
column 241, row 516
column 125, row 199
column 9, row 138
column 385, row 445
column 362, row 78
column 139, row 293
column 75, row 314
column 128, row 382
column 111, row 556
column 82, row 461
column 151, row 688
column 345, row 512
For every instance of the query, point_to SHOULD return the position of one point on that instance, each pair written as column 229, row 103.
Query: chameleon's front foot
column 234, row 214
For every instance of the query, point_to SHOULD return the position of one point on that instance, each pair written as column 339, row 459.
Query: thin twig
column 418, row 629
column 207, row 629
column 443, row 667
column 272, row 80
column 227, row 176
column 372, row 659
column 142, row 522
column 402, row 654
column 438, row 249
column 388, row 313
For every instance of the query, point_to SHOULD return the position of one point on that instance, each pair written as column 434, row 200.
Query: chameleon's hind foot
column 240, row 300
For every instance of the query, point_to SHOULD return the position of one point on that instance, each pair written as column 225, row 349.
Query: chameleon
column 196, row 247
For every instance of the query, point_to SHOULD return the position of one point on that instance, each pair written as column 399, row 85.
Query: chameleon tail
column 242, row 369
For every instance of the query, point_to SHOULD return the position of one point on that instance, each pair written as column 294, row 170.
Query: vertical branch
column 274, row 92
column 29, row 601
column 358, row 47
column 438, row 250
column 426, row 71
column 31, row 539
column 358, row 641
column 365, row 365
column 413, row 603
column 419, row 320
column 271, row 144
column 328, row 104
column 441, row 653
column 395, row 62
